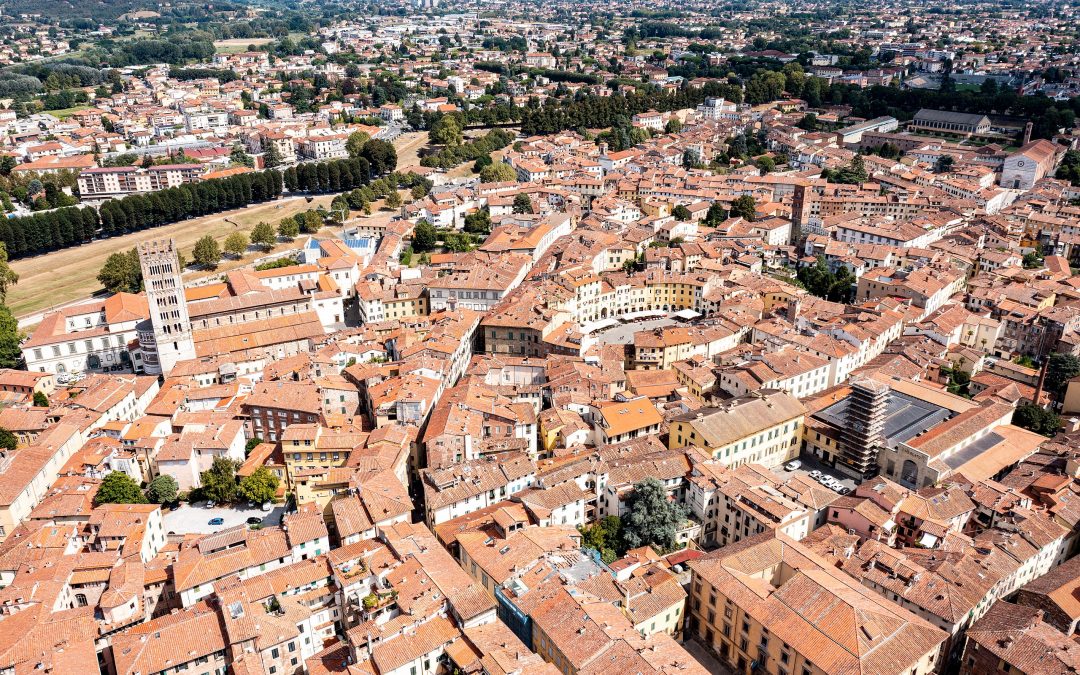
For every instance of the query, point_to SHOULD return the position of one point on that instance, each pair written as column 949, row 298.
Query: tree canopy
column 264, row 237
column 651, row 519
column 478, row 222
column 237, row 244
column 498, row 172
column 852, row 174
column 824, row 283
column 260, row 486
column 8, row 440
column 424, row 236
column 122, row 273
column 119, row 488
column 744, row 207
column 522, row 203
column 605, row 536
column 1036, row 418
column 10, row 337
column 1060, row 369
column 219, row 481
column 163, row 489
column 354, row 145
column 446, row 131
column 206, row 253
column 8, row 276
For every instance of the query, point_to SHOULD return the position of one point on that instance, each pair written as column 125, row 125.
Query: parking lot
column 195, row 519
column 811, row 464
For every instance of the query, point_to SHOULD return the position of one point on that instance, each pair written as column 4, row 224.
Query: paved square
column 195, row 519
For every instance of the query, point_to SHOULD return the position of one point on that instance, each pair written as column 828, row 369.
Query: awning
column 686, row 314
column 594, row 326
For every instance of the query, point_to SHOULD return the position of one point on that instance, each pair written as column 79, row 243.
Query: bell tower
column 164, row 286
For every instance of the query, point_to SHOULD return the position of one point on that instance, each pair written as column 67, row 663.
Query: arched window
column 80, row 599
column 909, row 473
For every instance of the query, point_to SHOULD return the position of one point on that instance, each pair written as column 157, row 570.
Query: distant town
column 574, row 338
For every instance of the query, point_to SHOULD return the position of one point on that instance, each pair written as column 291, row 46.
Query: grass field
column 238, row 45
column 64, row 113
column 71, row 274
column 408, row 147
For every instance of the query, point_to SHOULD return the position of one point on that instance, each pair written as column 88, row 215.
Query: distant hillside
column 100, row 10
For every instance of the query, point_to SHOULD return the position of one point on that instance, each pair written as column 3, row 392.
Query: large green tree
column 163, row 489
column 651, row 518
column 1060, row 369
column 744, row 207
column 240, row 158
column 499, row 172
column 852, row 174
column 260, row 486
column 219, row 481
column 522, row 203
column 264, row 237
column 381, row 156
column 1036, row 418
column 8, row 276
column 478, row 222
column 446, row 131
column 122, row 273
column 119, row 488
column 206, row 253
column 715, row 215
column 824, row 283
column 10, row 337
column 354, row 145
column 605, row 536
column 237, row 244
column 424, row 236
column 286, row 229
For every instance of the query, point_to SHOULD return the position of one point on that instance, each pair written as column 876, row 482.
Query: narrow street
column 706, row 659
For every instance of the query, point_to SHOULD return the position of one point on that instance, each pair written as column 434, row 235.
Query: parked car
column 216, row 521
column 815, row 474
column 266, row 507
column 254, row 520
column 211, row 504
column 844, row 490
column 792, row 465
column 824, row 479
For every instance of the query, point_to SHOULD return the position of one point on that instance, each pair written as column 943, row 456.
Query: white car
column 815, row 474
column 792, row 465
column 266, row 506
